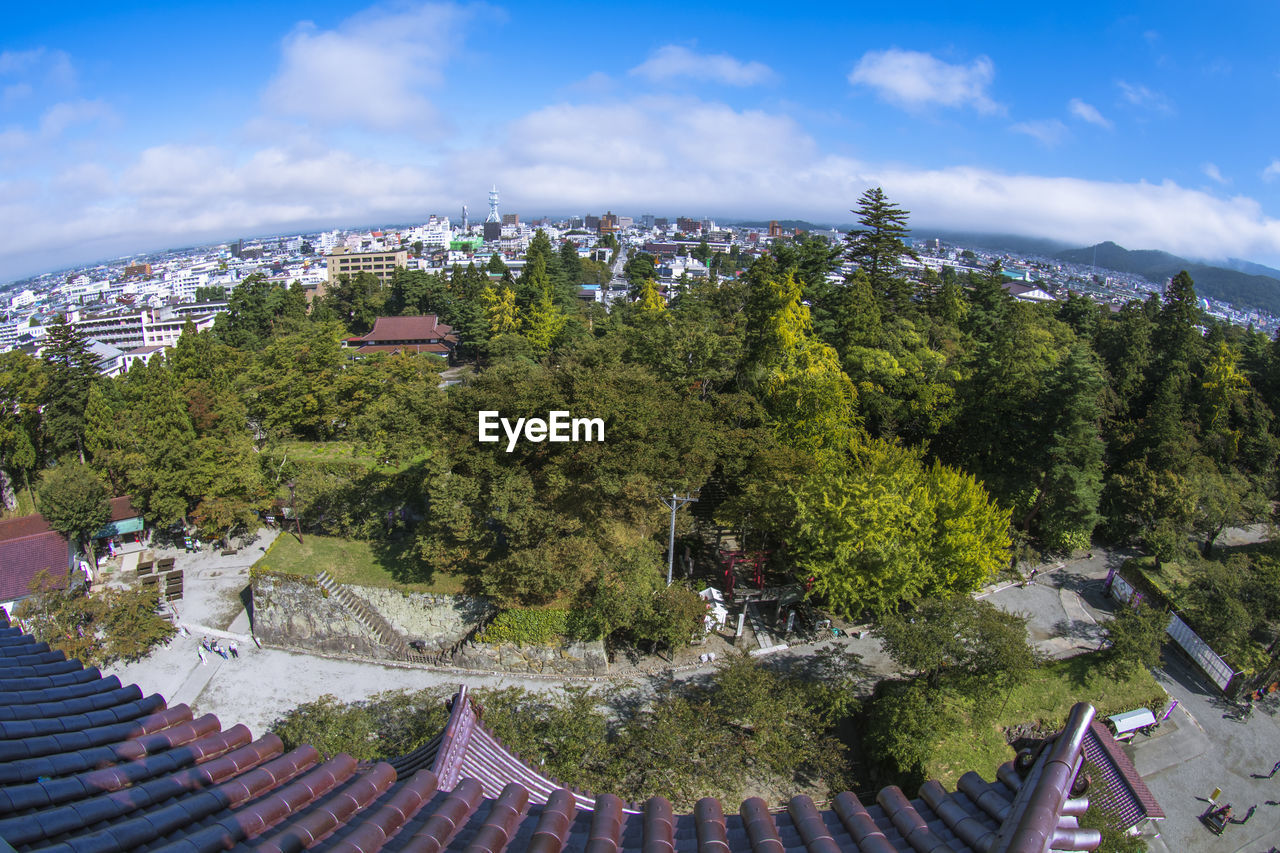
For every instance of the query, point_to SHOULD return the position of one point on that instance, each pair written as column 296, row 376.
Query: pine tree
column 102, row 438
column 168, row 448
column 570, row 263
column 879, row 247
column 1067, row 503
column 543, row 322
column 71, row 370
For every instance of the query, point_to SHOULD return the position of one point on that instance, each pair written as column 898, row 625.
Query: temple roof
column 425, row 327
column 1122, row 789
column 27, row 546
column 87, row 764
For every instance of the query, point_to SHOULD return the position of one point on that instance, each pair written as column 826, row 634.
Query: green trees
column 1065, row 509
column 166, row 438
column 745, row 725
column 882, row 529
column 22, row 388
column 879, row 247
column 257, row 309
column 959, row 641
column 108, row 626
column 71, row 368
column 74, row 501
column 1135, row 636
column 797, row 376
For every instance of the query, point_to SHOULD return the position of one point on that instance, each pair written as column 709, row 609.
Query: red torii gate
column 755, row 560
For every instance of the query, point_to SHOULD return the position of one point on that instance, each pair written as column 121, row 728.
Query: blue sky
column 128, row 127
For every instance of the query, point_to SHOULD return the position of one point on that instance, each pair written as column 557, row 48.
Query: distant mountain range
column 784, row 224
column 993, row 242
column 1241, row 283
column 1247, row 288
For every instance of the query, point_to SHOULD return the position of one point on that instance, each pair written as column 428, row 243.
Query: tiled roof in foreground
column 87, row 764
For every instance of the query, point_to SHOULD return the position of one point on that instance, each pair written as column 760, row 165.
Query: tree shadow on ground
column 1084, row 633
column 1174, row 668
column 398, row 555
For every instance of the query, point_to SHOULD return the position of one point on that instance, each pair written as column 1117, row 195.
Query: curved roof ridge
column 469, row 749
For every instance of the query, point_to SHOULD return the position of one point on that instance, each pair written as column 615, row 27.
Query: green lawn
column 1046, row 698
column 351, row 561
column 1166, row 580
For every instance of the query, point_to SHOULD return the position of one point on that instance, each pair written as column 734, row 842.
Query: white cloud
column 19, row 61
column 1212, row 171
column 1272, row 171
column 1140, row 96
column 13, row 139
column 376, row 70
column 913, row 79
column 1088, row 112
column 15, row 92
column 686, row 154
column 53, row 66
column 59, row 117
column 1136, row 215
column 664, row 154
column 673, row 61
column 1048, row 132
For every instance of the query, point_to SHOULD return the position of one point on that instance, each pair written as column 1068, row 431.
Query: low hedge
column 534, row 627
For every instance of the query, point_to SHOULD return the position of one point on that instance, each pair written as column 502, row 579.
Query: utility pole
column 674, row 502
column 293, row 511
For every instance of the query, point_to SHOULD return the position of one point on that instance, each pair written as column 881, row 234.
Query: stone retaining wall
column 563, row 659
column 296, row 612
column 439, row 622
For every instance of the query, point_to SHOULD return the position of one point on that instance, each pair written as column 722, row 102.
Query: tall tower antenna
column 464, row 219
column 493, row 205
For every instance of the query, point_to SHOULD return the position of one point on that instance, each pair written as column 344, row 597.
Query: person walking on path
column 234, row 649
column 204, row 661
column 1273, row 770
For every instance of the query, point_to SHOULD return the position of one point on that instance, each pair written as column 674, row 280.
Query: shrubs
column 98, row 629
column 745, row 730
column 526, row 627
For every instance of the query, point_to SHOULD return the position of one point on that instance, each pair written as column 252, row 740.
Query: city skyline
column 122, row 131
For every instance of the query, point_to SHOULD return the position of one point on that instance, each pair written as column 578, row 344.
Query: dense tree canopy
column 885, row 439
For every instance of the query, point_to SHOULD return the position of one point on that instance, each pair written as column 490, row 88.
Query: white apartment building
column 324, row 242
column 23, row 300
column 146, row 328
column 183, row 283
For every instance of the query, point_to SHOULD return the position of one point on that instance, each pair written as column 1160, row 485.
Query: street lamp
column 293, row 511
column 675, row 502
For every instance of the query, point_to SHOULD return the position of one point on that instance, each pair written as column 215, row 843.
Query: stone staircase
column 388, row 636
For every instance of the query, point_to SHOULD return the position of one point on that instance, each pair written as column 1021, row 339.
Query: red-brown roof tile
column 414, row 348
column 1121, row 789
column 420, row 328
column 122, row 508
column 131, row 774
column 23, row 525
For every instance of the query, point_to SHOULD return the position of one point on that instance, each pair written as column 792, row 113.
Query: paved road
column 1205, row 749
